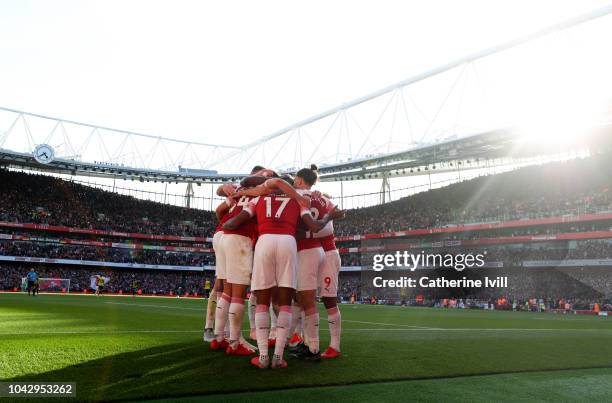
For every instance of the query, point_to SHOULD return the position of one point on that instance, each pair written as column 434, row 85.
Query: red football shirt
column 324, row 206
column 248, row 229
column 319, row 207
column 328, row 243
column 276, row 214
column 225, row 216
column 326, row 235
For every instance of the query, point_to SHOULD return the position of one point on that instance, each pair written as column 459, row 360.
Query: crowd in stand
column 571, row 186
column 580, row 286
column 147, row 281
column 510, row 255
column 598, row 279
column 577, row 186
column 553, row 229
column 67, row 237
column 43, row 199
column 577, row 284
column 77, row 252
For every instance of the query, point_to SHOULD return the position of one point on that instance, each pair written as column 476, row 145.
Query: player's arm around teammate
column 274, row 267
column 275, row 185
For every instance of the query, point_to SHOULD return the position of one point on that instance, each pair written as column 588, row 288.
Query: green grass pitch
column 122, row 348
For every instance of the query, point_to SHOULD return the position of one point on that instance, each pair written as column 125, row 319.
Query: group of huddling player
column 275, row 237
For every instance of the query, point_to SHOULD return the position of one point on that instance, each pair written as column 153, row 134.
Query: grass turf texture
column 119, row 348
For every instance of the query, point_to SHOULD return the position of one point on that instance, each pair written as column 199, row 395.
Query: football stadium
column 447, row 237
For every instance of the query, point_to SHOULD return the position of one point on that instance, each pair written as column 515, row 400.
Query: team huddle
column 275, row 237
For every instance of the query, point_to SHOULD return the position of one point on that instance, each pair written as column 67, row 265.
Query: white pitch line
column 324, row 330
column 156, row 306
column 202, row 309
column 390, row 324
column 109, row 332
column 475, row 329
column 78, row 294
column 99, row 332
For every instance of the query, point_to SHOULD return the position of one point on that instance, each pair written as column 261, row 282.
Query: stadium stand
column 48, row 200
column 152, row 282
column 576, row 186
column 53, row 251
column 512, row 216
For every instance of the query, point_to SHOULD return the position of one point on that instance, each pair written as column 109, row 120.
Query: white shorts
column 220, row 271
column 310, row 262
column 328, row 274
column 274, row 264
column 238, row 251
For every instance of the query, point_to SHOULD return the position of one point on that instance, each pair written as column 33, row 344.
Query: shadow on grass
column 174, row 369
column 179, row 369
column 191, row 369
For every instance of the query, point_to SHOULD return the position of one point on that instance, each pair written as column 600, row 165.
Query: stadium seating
column 575, row 187
column 49, row 200
column 148, row 281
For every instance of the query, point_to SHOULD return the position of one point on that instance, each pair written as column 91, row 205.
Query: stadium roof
column 143, row 157
column 447, row 155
